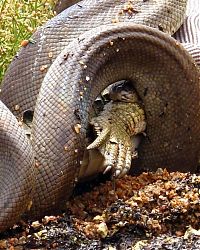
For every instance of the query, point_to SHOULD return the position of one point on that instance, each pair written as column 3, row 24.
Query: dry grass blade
column 18, row 20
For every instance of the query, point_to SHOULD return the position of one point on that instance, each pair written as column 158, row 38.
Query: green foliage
column 18, row 20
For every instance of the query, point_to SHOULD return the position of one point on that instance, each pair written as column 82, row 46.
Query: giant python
column 82, row 50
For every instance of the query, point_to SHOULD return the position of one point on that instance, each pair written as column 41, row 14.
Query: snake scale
column 72, row 58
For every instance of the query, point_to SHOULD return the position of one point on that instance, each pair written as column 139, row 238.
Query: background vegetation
column 18, row 20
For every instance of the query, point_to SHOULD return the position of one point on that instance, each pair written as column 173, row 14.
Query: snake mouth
column 94, row 159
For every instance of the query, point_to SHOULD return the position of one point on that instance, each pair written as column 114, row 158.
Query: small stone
column 50, row 55
column 36, row 224
column 17, row 107
column 179, row 233
column 112, row 248
column 191, row 231
column 41, row 233
column 102, row 229
column 139, row 245
column 81, row 62
column 54, row 245
column 43, row 68
column 13, row 241
column 22, row 240
column 3, row 244
column 98, row 218
column 77, row 128
column 36, row 164
column 24, row 43
column 47, row 219
column 87, row 78
column 111, row 43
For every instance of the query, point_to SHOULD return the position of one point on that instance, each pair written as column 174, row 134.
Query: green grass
column 18, row 20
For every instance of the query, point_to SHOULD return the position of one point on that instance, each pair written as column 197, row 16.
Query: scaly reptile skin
column 16, row 161
column 62, row 5
column 189, row 33
column 22, row 82
column 167, row 81
column 121, row 120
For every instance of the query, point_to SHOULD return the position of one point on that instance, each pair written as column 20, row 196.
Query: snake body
column 86, row 57
column 189, row 33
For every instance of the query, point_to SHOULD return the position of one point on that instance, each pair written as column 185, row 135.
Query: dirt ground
column 151, row 211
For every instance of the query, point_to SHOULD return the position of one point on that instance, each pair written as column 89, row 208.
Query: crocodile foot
column 115, row 128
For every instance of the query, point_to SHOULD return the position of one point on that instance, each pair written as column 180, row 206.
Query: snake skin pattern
column 16, row 161
column 189, row 33
column 33, row 61
column 167, row 81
